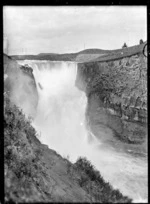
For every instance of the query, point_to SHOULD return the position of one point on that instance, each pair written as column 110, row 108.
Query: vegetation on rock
column 91, row 180
column 21, row 156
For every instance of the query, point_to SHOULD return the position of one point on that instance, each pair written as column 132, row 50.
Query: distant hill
column 94, row 51
column 85, row 55
column 41, row 54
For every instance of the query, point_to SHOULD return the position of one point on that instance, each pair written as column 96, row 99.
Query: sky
column 68, row 29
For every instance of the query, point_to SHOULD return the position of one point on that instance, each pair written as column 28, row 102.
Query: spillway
column 61, row 123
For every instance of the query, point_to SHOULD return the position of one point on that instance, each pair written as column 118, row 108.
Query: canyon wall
column 117, row 95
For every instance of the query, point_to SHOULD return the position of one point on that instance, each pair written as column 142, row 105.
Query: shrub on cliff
column 91, row 180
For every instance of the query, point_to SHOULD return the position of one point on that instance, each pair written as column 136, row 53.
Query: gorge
column 96, row 109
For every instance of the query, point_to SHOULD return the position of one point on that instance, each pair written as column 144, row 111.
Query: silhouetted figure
column 141, row 41
column 124, row 46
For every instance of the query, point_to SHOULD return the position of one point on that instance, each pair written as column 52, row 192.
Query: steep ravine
column 36, row 173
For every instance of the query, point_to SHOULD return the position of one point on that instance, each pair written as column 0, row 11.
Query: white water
column 60, row 119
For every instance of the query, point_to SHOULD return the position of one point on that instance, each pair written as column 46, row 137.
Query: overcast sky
column 62, row 29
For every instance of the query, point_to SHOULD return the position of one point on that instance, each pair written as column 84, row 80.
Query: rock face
column 26, row 69
column 20, row 84
column 117, row 90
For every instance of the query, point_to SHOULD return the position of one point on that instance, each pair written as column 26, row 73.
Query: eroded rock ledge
column 25, row 68
column 119, row 89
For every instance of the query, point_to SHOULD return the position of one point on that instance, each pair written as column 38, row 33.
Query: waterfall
column 60, row 120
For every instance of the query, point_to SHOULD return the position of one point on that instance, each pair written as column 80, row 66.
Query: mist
column 21, row 95
column 21, row 91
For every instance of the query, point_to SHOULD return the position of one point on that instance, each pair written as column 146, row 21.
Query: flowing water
column 60, row 120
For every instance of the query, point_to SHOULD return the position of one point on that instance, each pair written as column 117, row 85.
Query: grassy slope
column 33, row 172
column 121, row 53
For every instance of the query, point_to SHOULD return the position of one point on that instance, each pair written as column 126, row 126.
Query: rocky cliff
column 116, row 88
